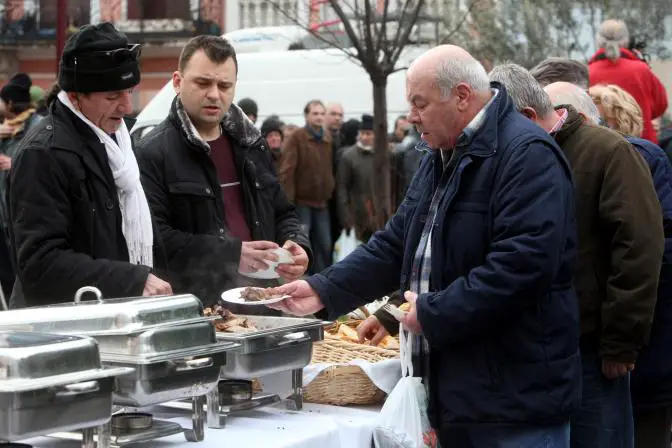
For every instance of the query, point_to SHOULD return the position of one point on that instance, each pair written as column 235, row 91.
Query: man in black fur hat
column 79, row 213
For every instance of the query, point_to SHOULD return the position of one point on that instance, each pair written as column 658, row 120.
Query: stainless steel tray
column 171, row 356
column 44, row 411
column 31, row 357
column 106, row 317
column 280, row 345
column 158, row 342
column 164, row 381
column 52, row 382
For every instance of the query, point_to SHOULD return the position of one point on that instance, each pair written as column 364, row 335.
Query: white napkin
column 384, row 374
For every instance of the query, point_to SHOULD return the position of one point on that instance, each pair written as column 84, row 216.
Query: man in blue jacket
column 484, row 247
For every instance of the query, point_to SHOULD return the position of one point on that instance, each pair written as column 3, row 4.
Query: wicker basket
column 343, row 384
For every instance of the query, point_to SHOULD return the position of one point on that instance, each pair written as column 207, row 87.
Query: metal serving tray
column 163, row 381
column 159, row 343
column 170, row 362
column 281, row 344
column 106, row 317
column 52, row 383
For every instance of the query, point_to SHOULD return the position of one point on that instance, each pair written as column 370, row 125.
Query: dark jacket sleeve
column 661, row 172
column 525, row 251
column 630, row 212
column 348, row 284
column 388, row 321
column 191, row 257
column 42, row 223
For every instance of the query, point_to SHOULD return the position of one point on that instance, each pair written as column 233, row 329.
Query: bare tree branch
column 368, row 37
column 447, row 36
column 349, row 31
column 392, row 45
column 403, row 37
column 298, row 23
column 382, row 32
column 399, row 69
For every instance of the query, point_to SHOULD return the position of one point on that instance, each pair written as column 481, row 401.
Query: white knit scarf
column 136, row 218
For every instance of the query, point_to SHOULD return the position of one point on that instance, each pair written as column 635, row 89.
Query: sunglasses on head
column 105, row 58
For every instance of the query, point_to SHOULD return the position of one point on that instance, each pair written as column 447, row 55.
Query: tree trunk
column 381, row 209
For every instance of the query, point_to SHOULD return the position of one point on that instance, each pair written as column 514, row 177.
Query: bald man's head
column 446, row 87
column 562, row 93
column 334, row 116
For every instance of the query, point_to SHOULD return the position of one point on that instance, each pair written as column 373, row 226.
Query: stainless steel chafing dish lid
column 31, row 361
column 163, row 344
column 106, row 317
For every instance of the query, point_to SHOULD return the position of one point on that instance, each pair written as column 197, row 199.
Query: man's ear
column 74, row 99
column 529, row 113
column 463, row 93
column 177, row 82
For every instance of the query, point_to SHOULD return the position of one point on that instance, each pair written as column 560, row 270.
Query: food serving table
column 314, row 426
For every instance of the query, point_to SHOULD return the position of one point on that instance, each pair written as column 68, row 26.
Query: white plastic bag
column 345, row 244
column 403, row 421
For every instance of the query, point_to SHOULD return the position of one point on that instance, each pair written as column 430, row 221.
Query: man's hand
column 154, row 286
column 254, row 256
column 291, row 272
column 5, row 162
column 410, row 321
column 615, row 369
column 303, row 301
column 371, row 329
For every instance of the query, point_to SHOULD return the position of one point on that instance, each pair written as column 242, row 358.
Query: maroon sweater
column 232, row 192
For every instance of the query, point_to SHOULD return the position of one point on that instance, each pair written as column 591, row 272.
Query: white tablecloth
column 315, row 426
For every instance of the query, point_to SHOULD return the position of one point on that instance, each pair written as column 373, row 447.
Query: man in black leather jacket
column 210, row 182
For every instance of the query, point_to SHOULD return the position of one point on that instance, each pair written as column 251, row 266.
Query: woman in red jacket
column 615, row 64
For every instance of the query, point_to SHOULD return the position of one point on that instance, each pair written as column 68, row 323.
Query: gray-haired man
column 483, row 247
column 620, row 250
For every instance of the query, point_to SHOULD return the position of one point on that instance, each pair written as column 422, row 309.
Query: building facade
column 28, row 34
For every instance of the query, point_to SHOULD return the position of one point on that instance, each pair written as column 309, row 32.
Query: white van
column 269, row 38
column 282, row 82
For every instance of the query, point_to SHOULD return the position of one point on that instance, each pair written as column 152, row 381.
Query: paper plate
column 233, row 296
column 284, row 257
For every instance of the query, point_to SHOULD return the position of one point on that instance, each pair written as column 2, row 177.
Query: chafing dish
column 279, row 344
column 52, row 383
column 167, row 341
column 106, row 317
column 170, row 363
column 169, row 345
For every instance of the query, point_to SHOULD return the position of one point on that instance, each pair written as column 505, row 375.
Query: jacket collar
column 625, row 54
column 482, row 140
column 130, row 122
column 235, row 124
column 69, row 133
column 65, row 126
column 572, row 123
